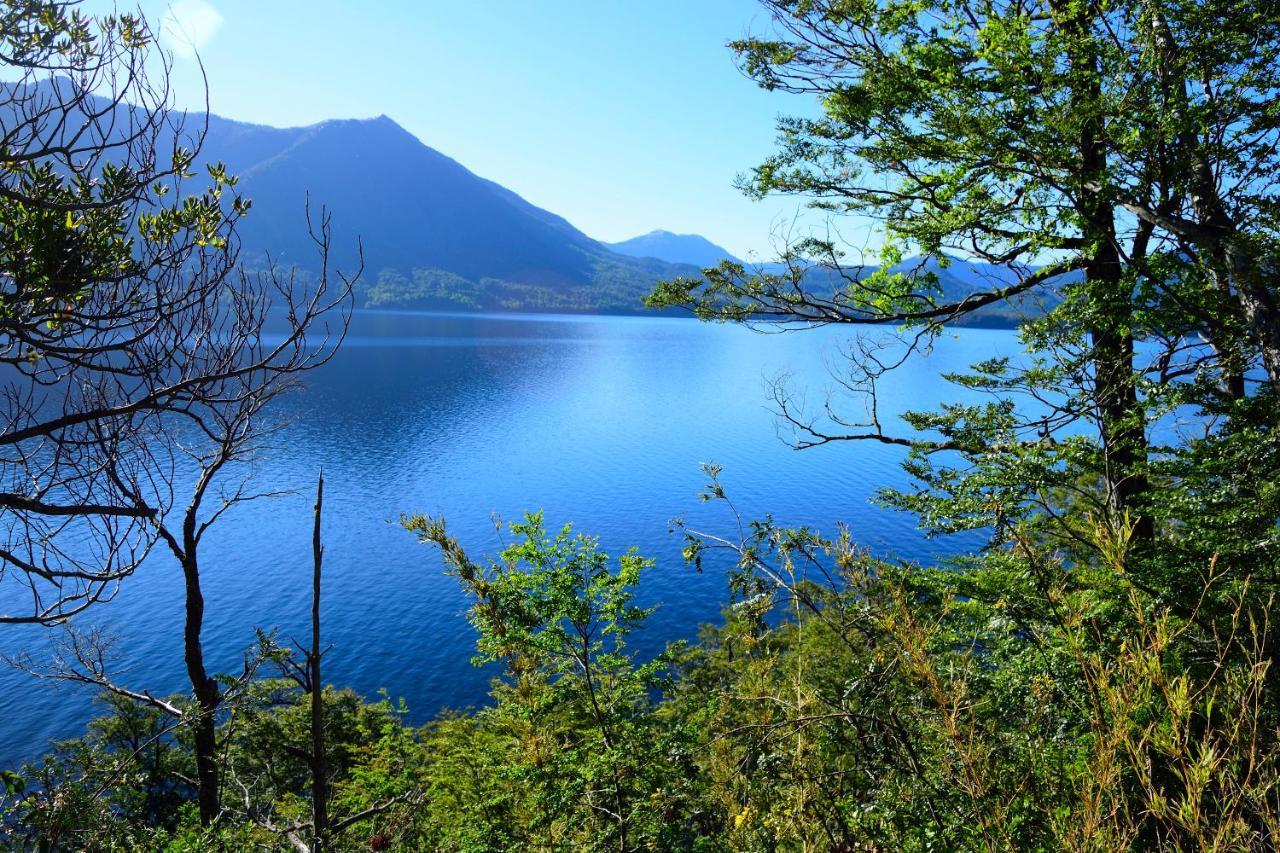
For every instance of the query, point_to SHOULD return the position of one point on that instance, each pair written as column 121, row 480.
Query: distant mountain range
column 435, row 235
column 674, row 248
column 960, row 278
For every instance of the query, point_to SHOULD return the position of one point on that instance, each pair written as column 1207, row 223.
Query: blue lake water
column 601, row 421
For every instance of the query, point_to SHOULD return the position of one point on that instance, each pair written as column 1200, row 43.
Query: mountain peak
column 673, row 248
column 383, row 124
column 386, row 121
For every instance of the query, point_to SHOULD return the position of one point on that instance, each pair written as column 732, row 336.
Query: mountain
column 674, row 248
column 436, row 235
column 957, row 279
column 433, row 233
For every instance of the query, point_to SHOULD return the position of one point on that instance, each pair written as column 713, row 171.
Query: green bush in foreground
column 844, row 703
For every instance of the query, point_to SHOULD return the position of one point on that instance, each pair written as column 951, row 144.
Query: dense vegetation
column 609, row 288
column 853, row 701
column 1098, row 676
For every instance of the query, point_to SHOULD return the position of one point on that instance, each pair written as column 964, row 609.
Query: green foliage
column 587, row 759
column 78, row 200
column 425, row 289
column 1097, row 676
column 844, row 703
column 126, row 781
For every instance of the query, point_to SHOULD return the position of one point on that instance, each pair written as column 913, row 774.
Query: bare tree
column 212, row 439
column 319, row 766
column 135, row 355
column 125, row 318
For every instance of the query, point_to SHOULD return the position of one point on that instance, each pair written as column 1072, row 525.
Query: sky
column 623, row 117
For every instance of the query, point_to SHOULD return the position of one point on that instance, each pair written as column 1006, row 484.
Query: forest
column 1095, row 676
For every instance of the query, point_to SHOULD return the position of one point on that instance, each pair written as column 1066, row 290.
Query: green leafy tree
column 1043, row 139
column 1076, row 147
column 588, row 760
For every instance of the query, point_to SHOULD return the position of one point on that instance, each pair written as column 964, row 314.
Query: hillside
column 961, row 278
column 436, row 235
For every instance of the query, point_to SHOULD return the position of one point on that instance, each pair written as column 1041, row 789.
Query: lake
column 599, row 421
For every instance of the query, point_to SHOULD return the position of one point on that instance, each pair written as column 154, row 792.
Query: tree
column 585, row 750
column 1072, row 145
column 1117, row 161
column 123, row 312
column 1212, row 82
column 140, row 353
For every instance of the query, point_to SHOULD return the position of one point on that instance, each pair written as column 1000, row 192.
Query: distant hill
column 958, row 279
column 961, row 278
column 674, row 248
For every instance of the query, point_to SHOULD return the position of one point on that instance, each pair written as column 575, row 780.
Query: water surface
column 601, row 421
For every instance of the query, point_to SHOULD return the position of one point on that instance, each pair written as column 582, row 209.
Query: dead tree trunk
column 319, row 770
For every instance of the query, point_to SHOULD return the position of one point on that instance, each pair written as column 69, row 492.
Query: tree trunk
column 206, row 693
column 1257, row 304
column 1235, row 265
column 319, row 769
column 1121, row 420
column 1219, row 233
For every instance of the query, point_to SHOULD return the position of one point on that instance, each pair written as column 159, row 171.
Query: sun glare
column 188, row 26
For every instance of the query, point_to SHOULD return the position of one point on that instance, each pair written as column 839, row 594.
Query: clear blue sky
column 622, row 117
